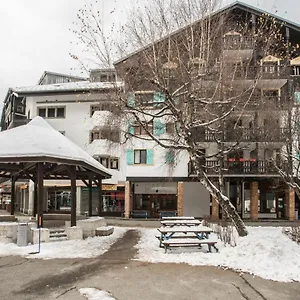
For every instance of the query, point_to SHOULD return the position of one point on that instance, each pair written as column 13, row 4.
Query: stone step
column 58, row 239
column 52, row 230
column 58, row 234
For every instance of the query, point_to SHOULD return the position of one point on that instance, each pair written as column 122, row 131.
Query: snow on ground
column 89, row 247
column 94, row 294
column 265, row 252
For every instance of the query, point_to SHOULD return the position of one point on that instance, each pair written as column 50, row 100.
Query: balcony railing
column 244, row 167
column 243, row 44
column 264, row 72
column 273, row 135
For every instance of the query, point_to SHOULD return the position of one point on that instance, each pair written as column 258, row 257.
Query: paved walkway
column 127, row 279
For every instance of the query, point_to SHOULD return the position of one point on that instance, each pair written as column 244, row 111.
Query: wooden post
column 90, row 197
column 40, row 193
column 13, row 195
column 35, row 199
column 180, row 199
column 128, row 197
column 254, row 200
column 214, row 209
column 100, row 197
column 73, row 195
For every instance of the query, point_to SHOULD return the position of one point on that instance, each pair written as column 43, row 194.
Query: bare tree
column 203, row 68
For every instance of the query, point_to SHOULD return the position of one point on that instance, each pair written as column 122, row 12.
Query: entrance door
column 155, row 206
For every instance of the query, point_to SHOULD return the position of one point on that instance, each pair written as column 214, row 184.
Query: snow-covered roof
column 67, row 87
column 38, row 139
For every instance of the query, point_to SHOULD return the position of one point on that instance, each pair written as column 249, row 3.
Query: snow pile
column 94, row 294
column 265, row 252
column 89, row 247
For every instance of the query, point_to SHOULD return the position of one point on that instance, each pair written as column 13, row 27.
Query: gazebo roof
column 39, row 142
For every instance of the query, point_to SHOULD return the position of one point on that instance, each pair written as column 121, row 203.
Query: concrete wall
column 196, row 200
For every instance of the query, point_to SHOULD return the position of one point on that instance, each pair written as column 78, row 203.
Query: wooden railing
column 243, row 135
column 254, row 167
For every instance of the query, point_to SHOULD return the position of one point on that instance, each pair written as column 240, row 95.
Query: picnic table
column 185, row 236
column 180, row 222
column 178, row 218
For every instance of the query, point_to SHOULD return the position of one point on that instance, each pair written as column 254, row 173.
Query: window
column 139, row 129
column 140, row 156
column 114, row 163
column 105, row 134
column 144, row 99
column 170, row 128
column 51, row 112
column 108, row 162
column 42, row 112
column 296, row 70
column 102, row 107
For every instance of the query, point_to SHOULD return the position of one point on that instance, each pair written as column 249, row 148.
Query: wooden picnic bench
column 185, row 242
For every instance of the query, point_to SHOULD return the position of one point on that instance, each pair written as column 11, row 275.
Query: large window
column 140, row 156
column 105, row 106
column 52, row 112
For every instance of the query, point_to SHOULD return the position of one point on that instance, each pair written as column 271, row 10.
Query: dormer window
column 295, row 63
column 270, row 64
column 198, row 66
column 232, row 40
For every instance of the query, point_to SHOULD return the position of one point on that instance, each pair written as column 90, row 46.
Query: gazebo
column 36, row 152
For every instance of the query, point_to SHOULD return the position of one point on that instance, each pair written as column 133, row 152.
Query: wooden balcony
column 249, row 135
column 249, row 167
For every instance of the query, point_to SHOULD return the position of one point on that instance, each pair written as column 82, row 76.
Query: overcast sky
column 35, row 35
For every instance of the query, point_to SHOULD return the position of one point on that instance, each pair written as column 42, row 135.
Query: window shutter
column 170, row 157
column 130, row 156
column 158, row 98
column 150, row 158
column 158, row 127
column 130, row 100
column 297, row 97
column 130, row 128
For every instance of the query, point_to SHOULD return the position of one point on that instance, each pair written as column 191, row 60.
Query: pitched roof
column 236, row 4
column 79, row 86
column 38, row 140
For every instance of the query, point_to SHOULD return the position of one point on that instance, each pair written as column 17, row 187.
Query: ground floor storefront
column 254, row 199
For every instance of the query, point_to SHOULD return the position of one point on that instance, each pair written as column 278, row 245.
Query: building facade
column 149, row 180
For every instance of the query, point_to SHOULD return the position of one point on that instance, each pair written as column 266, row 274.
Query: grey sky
column 35, row 35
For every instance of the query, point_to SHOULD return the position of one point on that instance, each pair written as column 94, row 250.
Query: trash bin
column 22, row 235
column 296, row 214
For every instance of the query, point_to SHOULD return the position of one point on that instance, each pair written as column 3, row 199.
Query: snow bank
column 265, row 252
column 89, row 247
column 94, row 294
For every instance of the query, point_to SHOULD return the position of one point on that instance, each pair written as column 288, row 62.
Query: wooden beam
column 13, row 195
column 73, row 195
column 40, row 193
column 90, row 197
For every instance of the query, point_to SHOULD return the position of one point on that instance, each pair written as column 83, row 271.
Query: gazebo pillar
column 13, row 195
column 35, row 199
column 73, row 195
column 40, row 193
column 90, row 197
column 100, row 197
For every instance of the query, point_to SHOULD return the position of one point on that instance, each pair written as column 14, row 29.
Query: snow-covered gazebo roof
column 39, row 142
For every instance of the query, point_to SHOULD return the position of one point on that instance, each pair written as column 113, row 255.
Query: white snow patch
column 265, row 252
column 95, row 294
column 87, row 248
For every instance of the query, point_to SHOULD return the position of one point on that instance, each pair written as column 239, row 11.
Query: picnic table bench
column 140, row 214
column 185, row 242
